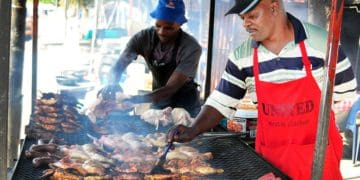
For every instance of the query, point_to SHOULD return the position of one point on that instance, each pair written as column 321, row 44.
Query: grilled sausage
column 35, row 154
column 40, row 161
column 44, row 148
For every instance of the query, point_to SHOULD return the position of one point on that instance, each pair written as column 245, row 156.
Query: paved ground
column 350, row 170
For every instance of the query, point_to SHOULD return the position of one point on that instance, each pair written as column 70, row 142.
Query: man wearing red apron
column 287, row 124
column 280, row 67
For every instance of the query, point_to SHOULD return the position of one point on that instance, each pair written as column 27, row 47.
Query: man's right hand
column 109, row 91
column 181, row 134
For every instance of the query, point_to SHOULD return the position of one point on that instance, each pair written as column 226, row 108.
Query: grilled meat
column 43, row 161
column 162, row 177
column 60, row 174
column 75, row 152
column 128, row 176
column 96, row 154
column 53, row 114
column 34, row 154
column 46, row 108
column 44, row 148
column 157, row 117
column 46, row 119
column 181, row 116
column 156, row 139
column 93, row 167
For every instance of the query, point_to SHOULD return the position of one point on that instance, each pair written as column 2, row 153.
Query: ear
column 275, row 6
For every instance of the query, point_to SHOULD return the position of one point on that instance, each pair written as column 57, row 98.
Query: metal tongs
column 158, row 168
column 159, row 165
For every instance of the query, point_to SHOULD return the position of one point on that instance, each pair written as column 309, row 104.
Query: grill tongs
column 158, row 168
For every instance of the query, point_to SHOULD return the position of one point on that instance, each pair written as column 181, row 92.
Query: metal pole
column 5, row 24
column 16, row 74
column 210, row 49
column 328, row 86
column 94, row 32
column 34, row 54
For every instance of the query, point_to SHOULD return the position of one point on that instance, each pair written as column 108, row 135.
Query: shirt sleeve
column 230, row 89
column 139, row 44
column 345, row 82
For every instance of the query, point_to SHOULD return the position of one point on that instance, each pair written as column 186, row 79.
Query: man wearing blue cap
column 172, row 56
column 281, row 67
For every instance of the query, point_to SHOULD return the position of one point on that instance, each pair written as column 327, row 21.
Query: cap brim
column 233, row 10
column 240, row 9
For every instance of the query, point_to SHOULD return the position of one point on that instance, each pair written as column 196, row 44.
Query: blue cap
column 170, row 10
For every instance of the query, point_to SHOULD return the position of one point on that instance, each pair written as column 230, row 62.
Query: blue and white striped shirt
column 238, row 77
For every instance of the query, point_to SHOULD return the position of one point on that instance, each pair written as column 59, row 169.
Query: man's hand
column 181, row 134
column 109, row 92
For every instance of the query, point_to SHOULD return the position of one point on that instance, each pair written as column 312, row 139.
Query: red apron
column 287, row 124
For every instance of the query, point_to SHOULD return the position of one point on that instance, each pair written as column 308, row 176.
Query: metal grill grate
column 238, row 159
column 24, row 168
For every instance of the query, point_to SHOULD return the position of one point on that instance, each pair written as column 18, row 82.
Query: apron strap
column 305, row 59
column 256, row 65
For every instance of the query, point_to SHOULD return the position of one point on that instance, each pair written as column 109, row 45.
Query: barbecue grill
column 230, row 153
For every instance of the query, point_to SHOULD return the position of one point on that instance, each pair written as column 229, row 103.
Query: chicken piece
column 180, row 166
column 135, row 141
column 61, row 174
column 46, row 108
column 126, row 168
column 158, row 117
column 100, row 108
column 138, row 155
column 207, row 170
column 143, row 167
column 128, row 176
column 157, row 139
column 162, row 177
column 69, row 164
column 177, row 155
column 112, row 141
column 75, row 152
column 106, row 177
column 46, row 120
column 183, row 152
column 94, row 168
column 54, row 115
column 123, row 142
column 49, row 127
column 50, row 102
column 97, row 154
column 181, row 116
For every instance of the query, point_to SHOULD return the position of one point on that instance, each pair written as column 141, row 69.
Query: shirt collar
column 299, row 31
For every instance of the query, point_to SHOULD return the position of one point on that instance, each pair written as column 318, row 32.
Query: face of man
column 166, row 31
column 259, row 22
